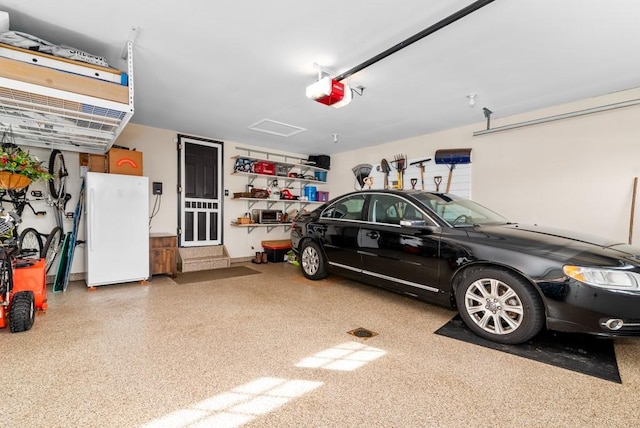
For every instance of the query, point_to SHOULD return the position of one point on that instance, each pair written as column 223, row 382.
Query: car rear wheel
column 312, row 261
column 499, row 306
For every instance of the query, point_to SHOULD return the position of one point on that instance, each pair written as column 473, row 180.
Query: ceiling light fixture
column 472, row 99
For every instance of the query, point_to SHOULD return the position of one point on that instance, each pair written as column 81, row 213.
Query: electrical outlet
column 157, row 188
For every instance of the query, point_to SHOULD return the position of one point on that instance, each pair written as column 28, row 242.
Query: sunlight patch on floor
column 237, row 407
column 346, row 357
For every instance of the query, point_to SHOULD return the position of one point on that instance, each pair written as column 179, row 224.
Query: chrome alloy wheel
column 494, row 306
column 310, row 260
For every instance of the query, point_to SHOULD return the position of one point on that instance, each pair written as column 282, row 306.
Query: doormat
column 577, row 352
column 213, row 274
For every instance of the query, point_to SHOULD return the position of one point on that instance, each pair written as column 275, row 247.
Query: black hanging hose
column 422, row 34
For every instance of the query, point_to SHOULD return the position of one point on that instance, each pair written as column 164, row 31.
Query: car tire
column 312, row 261
column 22, row 312
column 499, row 306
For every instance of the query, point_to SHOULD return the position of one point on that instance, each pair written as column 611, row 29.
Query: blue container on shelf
column 310, row 193
column 321, row 175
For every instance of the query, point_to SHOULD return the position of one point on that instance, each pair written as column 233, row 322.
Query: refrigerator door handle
column 89, row 217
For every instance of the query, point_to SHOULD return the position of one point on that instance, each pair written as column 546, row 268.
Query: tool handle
column 437, row 180
column 449, row 180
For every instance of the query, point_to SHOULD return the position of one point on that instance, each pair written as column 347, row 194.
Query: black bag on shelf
column 320, row 161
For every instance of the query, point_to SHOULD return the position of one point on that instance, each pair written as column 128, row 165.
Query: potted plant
column 18, row 168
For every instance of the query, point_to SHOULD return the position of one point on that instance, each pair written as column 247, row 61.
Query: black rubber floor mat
column 213, row 274
column 580, row 353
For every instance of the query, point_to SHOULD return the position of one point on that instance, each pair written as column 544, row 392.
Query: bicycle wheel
column 52, row 247
column 30, row 244
column 58, row 169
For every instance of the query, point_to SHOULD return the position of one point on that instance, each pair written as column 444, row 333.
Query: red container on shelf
column 262, row 167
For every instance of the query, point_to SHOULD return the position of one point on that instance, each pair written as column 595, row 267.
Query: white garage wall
column 575, row 173
column 161, row 164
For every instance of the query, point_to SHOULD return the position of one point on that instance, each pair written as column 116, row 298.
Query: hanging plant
column 22, row 162
column 18, row 168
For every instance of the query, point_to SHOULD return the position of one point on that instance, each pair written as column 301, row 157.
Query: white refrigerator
column 117, row 228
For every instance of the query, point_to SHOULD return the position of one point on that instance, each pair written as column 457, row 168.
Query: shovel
column 437, row 180
column 452, row 157
column 386, row 169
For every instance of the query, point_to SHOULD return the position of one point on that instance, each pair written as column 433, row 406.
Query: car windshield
column 459, row 211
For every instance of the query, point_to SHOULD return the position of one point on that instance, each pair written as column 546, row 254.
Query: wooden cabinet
column 162, row 254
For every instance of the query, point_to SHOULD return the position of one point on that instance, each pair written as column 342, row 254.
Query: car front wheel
column 312, row 261
column 499, row 306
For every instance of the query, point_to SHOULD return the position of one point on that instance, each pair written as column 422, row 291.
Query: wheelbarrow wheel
column 22, row 312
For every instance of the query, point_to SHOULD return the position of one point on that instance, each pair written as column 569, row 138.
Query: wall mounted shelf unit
column 297, row 183
column 288, row 203
column 250, row 227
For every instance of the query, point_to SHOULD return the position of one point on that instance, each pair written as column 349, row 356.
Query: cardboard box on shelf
column 122, row 161
column 93, row 163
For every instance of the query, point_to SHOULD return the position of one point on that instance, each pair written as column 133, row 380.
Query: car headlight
column 605, row 278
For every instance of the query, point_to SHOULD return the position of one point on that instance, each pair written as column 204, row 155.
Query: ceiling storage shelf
column 51, row 108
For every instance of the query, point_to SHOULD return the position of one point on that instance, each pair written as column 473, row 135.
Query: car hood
column 558, row 244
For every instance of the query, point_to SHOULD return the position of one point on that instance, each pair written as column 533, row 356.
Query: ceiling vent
column 272, row 127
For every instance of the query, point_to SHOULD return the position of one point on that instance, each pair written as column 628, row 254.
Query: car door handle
column 373, row 235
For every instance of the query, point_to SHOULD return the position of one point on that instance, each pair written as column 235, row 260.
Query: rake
column 400, row 162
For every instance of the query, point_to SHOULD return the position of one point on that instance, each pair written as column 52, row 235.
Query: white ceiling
column 214, row 68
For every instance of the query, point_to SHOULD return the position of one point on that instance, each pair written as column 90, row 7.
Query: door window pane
column 347, row 209
column 391, row 209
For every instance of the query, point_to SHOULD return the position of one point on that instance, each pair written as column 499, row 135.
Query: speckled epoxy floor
column 261, row 351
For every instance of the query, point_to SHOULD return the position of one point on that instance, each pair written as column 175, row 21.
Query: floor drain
column 362, row 333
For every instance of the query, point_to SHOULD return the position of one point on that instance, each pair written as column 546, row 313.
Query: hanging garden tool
column 414, row 181
column 386, row 169
column 420, row 164
column 452, row 157
column 400, row 165
column 361, row 171
column 437, row 180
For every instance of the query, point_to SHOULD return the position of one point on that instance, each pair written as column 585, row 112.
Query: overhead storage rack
column 50, row 108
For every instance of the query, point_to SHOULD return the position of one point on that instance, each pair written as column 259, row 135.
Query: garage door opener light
column 330, row 92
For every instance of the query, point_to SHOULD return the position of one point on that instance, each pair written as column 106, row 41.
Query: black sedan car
column 507, row 280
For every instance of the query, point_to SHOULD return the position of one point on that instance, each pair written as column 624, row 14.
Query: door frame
column 181, row 140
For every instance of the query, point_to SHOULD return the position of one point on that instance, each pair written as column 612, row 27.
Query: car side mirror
column 413, row 223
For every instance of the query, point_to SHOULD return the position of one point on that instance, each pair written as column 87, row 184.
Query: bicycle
column 57, row 198
column 58, row 185
column 30, row 239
